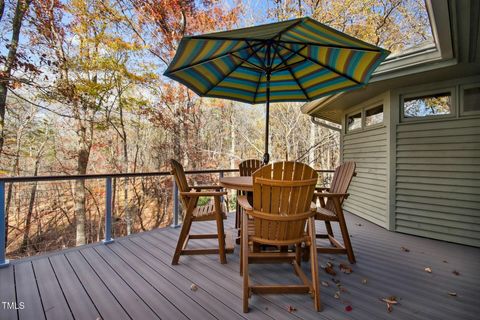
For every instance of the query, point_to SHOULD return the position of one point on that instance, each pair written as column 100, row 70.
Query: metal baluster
column 108, row 211
column 3, row 262
column 176, row 223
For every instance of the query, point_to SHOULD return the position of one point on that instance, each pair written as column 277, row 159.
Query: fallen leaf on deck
column 453, row 294
column 455, row 272
column 405, row 249
column 358, row 224
column 335, row 281
column 325, row 283
column 329, row 264
column 348, row 308
column 390, row 301
column 445, row 261
column 291, row 309
column 345, row 269
column 330, row 271
column 428, row 269
column 364, row 281
column 343, row 289
column 193, row 287
column 331, row 258
column 337, row 295
column 389, row 307
column 322, row 266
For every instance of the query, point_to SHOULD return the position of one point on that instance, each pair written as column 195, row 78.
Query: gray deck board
column 7, row 295
column 132, row 278
column 54, row 303
column 27, row 292
column 82, row 306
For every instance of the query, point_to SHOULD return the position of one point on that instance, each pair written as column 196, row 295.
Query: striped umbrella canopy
column 295, row 60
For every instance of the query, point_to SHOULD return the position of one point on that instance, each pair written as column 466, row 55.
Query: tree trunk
column 21, row 8
column 28, row 220
column 79, row 190
column 311, row 152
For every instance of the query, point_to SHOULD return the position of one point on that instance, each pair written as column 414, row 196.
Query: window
column 438, row 104
column 471, row 99
column 354, row 122
column 374, row 116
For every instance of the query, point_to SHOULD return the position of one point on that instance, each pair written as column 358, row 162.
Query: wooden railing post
column 108, row 211
column 176, row 223
column 3, row 246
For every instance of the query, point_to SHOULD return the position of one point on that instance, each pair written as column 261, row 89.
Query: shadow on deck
column 132, row 279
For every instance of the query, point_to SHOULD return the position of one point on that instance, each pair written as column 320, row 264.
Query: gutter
column 315, row 121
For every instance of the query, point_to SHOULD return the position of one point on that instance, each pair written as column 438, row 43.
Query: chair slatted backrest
column 282, row 189
column 180, row 178
column 248, row 167
column 341, row 181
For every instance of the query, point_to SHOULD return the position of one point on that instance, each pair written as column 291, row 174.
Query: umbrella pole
column 266, row 156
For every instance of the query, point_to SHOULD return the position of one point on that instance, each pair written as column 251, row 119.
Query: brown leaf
column 445, row 261
column 291, row 309
column 337, row 295
column 405, row 249
column 193, row 287
column 453, row 294
column 364, row 281
column 331, row 258
column 389, row 307
column 455, row 272
column 329, row 264
column 330, row 271
column 335, row 281
column 390, row 301
column 345, row 269
column 325, row 284
column 428, row 269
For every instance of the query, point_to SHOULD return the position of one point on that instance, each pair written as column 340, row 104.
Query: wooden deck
column 132, row 279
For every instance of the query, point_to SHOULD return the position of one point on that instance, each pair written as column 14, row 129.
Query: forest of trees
column 82, row 91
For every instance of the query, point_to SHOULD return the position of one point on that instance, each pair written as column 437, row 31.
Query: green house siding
column 368, row 190
column 437, row 183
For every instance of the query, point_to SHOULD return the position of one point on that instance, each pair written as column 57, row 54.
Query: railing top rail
column 114, row 175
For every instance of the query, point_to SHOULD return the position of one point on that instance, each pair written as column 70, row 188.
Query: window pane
column 354, row 122
column 471, row 99
column 425, row 106
column 374, row 116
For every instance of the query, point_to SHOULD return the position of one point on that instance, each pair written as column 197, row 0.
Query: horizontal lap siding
column 368, row 190
column 438, row 180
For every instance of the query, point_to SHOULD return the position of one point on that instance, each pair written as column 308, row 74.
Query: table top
column 237, row 183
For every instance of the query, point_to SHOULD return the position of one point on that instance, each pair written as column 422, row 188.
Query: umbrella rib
column 256, row 55
column 334, row 46
column 290, row 56
column 291, row 72
column 230, row 72
column 256, row 89
column 211, row 59
column 324, row 66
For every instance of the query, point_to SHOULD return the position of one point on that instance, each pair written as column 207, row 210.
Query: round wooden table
column 237, row 183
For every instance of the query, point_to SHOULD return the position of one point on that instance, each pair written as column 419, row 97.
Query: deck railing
column 109, row 179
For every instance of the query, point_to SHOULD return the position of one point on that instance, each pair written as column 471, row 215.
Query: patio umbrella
column 294, row 60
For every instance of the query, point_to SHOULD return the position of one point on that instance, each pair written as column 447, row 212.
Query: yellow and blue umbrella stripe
column 306, row 60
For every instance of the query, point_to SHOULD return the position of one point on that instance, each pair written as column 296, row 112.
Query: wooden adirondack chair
column 213, row 211
column 331, row 210
column 281, row 209
column 246, row 168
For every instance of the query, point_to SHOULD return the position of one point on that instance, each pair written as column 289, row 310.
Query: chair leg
column 187, row 223
column 328, row 226
column 314, row 266
column 346, row 238
column 244, row 265
column 220, row 231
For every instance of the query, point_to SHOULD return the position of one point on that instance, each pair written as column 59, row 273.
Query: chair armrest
column 331, row 195
column 203, row 193
column 207, row 187
column 243, row 202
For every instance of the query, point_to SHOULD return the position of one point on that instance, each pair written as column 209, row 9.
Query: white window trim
column 372, row 106
column 461, row 94
column 362, row 111
column 453, row 99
